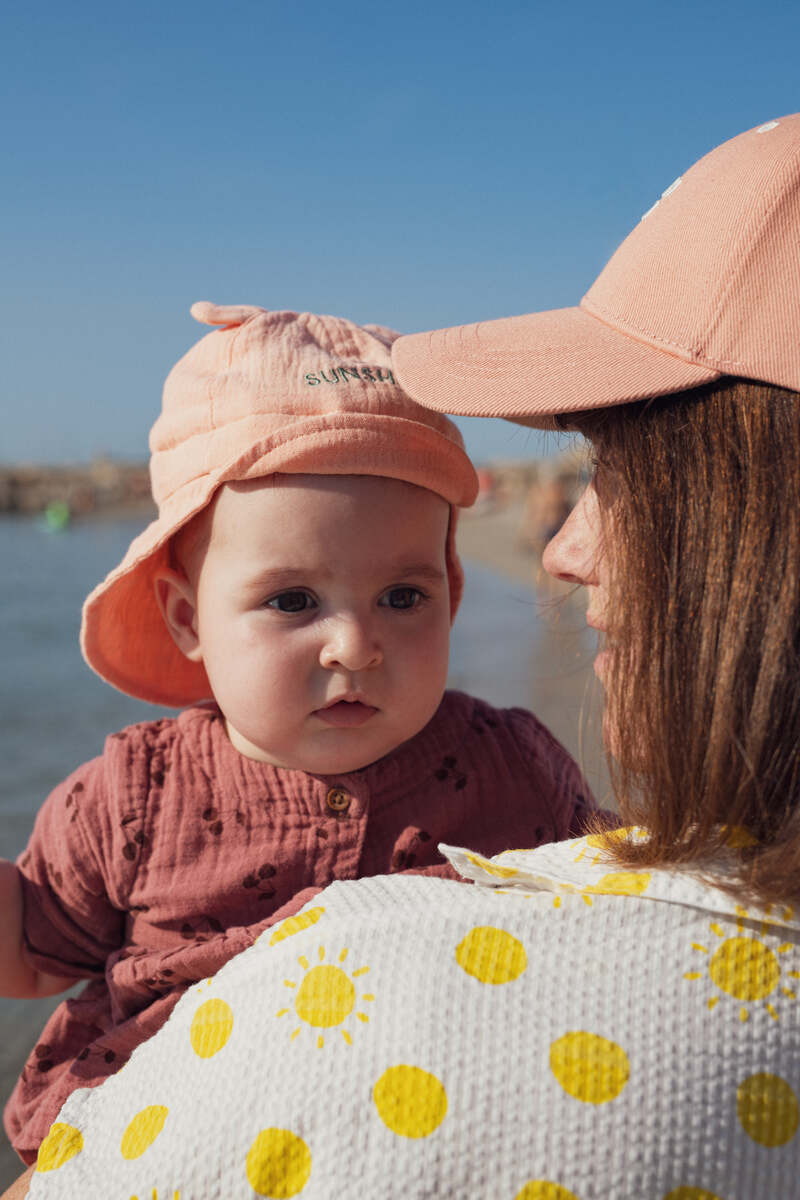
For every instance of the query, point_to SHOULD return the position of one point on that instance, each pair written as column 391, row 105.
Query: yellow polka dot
column 278, row 1164
column 491, row 868
column 621, row 883
column 768, row 1109
column 589, row 1067
column 143, row 1130
column 326, row 996
column 211, row 1027
column 491, row 955
column 690, row 1193
column 543, row 1189
column 62, row 1143
column 411, row 1102
column 296, row 924
column 745, row 968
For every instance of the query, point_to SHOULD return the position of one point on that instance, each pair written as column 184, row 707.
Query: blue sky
column 415, row 164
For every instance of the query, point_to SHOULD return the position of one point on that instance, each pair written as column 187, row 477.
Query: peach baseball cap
column 266, row 393
column 707, row 284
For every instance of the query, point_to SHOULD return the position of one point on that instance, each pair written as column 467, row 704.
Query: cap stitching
column 654, row 339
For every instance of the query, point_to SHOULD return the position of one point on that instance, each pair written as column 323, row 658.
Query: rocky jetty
column 100, row 486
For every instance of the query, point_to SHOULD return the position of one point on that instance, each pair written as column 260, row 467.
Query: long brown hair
column 700, row 495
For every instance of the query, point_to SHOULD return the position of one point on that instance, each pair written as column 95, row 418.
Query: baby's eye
column 291, row 602
column 402, row 597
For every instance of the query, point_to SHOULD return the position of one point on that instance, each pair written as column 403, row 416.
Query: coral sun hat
column 707, row 284
column 267, row 393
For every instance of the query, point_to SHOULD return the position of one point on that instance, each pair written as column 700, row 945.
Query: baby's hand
column 17, row 978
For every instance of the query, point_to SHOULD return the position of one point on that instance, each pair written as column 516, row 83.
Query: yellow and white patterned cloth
column 561, row 1031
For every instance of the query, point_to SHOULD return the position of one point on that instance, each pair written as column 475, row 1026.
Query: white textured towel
column 563, row 1031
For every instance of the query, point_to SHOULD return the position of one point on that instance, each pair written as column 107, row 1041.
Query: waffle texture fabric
column 154, row 864
column 560, row 1031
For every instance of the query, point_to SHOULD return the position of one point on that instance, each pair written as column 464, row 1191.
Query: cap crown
column 711, row 273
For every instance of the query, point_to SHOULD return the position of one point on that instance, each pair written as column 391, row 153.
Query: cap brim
column 529, row 368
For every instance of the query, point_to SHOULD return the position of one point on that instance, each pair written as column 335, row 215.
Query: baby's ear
column 178, row 604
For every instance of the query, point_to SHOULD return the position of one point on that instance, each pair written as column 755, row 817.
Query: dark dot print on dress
column 43, row 1058
column 160, row 981
column 106, row 1056
column 213, row 820
column 258, row 881
column 71, row 800
column 404, row 860
column 135, row 839
column 201, row 929
column 449, row 772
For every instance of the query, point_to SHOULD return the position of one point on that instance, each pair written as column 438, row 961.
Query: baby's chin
column 334, row 752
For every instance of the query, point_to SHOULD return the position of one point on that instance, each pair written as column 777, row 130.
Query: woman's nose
column 351, row 645
column 574, row 552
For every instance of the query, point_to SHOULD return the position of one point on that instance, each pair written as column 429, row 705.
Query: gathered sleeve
column 73, row 915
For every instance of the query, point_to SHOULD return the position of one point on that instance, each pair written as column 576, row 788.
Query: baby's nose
column 351, row 645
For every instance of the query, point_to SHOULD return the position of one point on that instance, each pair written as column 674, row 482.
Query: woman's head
column 675, row 360
column 689, row 542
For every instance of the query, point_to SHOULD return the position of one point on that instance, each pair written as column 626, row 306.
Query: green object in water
column 57, row 516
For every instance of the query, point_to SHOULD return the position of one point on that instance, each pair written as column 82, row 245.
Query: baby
column 300, row 581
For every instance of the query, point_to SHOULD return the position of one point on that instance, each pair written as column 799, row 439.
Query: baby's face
column 323, row 616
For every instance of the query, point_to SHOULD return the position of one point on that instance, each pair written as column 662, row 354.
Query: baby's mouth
column 345, row 713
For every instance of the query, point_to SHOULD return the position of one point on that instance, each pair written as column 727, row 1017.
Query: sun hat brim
column 530, row 368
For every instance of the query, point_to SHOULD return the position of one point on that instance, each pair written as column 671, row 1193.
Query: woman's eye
column 291, row 602
column 402, row 597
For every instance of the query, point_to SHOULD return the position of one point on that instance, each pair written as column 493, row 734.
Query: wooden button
column 337, row 800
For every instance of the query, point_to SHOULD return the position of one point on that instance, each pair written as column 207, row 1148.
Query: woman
column 610, row 1018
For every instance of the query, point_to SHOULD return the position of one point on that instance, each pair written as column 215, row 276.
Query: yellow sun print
column 745, row 967
column 326, row 996
column 154, row 1195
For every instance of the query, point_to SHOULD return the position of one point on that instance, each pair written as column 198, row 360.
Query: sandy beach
column 518, row 639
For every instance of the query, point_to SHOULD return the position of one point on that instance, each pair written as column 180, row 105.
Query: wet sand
column 518, row 640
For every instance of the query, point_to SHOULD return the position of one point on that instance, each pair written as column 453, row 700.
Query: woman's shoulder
column 599, row 1000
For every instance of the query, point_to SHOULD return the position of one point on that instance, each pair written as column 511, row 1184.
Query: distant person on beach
column 614, row 1017
column 302, row 575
